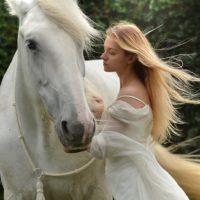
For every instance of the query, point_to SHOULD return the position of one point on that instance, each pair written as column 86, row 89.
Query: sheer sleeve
column 98, row 146
column 120, row 121
column 101, row 146
column 124, row 112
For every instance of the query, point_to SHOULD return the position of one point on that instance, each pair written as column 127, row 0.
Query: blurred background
column 179, row 27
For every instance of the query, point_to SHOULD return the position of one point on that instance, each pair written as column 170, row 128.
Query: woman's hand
column 96, row 105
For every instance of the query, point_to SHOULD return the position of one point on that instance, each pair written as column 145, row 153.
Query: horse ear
column 19, row 7
column 11, row 4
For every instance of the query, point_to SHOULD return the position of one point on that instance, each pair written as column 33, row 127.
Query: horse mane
column 67, row 15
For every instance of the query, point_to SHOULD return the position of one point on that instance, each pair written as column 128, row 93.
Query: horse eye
column 31, row 44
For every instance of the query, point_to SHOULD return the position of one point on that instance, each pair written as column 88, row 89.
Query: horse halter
column 38, row 172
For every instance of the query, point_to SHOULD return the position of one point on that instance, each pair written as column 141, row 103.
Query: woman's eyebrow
column 111, row 48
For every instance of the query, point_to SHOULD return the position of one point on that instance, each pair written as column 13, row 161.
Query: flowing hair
column 167, row 86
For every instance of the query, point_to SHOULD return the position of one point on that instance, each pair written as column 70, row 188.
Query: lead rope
column 39, row 173
column 39, row 190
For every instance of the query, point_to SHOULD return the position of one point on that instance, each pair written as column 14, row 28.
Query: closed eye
column 112, row 53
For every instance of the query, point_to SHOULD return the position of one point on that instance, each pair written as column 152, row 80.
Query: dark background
column 180, row 22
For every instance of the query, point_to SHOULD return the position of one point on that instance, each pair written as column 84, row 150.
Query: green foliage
column 179, row 20
column 180, row 23
column 8, row 37
column 1, row 192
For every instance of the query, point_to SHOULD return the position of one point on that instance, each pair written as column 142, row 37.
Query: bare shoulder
column 140, row 94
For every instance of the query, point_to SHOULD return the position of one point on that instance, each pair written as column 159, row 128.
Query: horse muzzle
column 75, row 136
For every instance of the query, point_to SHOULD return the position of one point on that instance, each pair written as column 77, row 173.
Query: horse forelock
column 67, row 15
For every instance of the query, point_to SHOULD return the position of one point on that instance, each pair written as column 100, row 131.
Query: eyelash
column 111, row 53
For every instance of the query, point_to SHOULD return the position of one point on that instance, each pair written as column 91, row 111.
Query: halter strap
column 35, row 168
column 38, row 172
column 133, row 97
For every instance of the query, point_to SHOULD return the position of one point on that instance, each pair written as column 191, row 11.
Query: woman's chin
column 106, row 69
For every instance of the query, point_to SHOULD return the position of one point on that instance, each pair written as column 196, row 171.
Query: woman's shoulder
column 135, row 97
column 125, row 112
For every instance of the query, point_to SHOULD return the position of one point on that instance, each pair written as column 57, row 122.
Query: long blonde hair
column 167, row 86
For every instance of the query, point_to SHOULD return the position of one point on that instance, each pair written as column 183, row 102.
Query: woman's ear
column 131, row 58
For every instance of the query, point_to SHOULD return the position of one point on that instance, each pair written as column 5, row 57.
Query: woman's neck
column 127, row 78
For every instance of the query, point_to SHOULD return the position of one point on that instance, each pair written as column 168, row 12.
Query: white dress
column 131, row 167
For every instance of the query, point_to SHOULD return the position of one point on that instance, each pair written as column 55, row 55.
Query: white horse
column 43, row 107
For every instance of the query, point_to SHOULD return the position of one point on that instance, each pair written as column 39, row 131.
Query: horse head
column 51, row 39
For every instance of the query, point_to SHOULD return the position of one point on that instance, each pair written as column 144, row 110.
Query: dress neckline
column 133, row 97
column 124, row 103
column 131, row 107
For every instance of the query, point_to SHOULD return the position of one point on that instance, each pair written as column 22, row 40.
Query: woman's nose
column 103, row 56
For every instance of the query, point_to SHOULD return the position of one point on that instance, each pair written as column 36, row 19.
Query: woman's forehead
column 111, row 43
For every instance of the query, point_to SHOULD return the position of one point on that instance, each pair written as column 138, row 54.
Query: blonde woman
column 141, row 117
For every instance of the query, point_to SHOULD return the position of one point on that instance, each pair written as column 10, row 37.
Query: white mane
column 67, row 15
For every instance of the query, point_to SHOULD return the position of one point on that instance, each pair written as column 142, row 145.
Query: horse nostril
column 73, row 130
column 64, row 126
column 76, row 134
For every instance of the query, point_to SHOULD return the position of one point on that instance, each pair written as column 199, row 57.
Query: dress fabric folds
column 132, row 170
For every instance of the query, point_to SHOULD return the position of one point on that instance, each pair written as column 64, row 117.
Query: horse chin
column 75, row 149
column 78, row 147
column 72, row 147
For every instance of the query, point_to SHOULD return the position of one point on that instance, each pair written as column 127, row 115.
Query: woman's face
column 115, row 59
